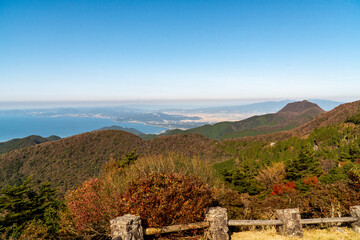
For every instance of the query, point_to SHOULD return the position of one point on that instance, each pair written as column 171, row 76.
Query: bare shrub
column 272, row 175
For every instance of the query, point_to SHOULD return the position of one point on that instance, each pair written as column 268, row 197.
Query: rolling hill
column 333, row 117
column 291, row 116
column 70, row 161
column 114, row 127
column 24, row 142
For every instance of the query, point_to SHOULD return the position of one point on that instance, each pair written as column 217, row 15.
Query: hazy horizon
column 151, row 104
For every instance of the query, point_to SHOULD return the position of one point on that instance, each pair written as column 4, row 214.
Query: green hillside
column 214, row 131
column 24, row 142
column 290, row 117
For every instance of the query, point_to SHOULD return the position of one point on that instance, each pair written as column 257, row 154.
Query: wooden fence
column 216, row 224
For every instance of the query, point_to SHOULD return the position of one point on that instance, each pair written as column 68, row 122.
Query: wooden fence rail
column 176, row 228
column 329, row 220
column 239, row 223
column 216, row 223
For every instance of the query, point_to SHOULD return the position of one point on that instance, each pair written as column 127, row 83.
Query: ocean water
column 22, row 126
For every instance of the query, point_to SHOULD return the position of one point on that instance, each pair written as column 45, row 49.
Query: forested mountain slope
column 24, row 142
column 70, row 161
column 291, row 116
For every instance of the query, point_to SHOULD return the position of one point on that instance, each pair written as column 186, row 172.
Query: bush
column 159, row 199
column 353, row 119
column 90, row 209
column 331, row 200
column 271, row 175
column 283, row 188
column 354, row 175
column 167, row 199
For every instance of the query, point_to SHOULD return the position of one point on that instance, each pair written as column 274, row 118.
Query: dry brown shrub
column 238, row 205
column 271, row 175
column 163, row 199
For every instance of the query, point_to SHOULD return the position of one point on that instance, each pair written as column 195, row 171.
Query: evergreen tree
column 345, row 154
column 354, row 151
column 305, row 164
column 129, row 159
column 243, row 179
column 19, row 205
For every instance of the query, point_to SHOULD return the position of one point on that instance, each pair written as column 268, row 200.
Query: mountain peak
column 299, row 107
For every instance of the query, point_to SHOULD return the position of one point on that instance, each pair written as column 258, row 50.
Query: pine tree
column 19, row 205
column 354, row 151
column 129, row 159
column 305, row 164
column 243, row 179
column 345, row 154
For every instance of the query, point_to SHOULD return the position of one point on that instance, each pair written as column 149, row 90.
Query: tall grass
column 172, row 162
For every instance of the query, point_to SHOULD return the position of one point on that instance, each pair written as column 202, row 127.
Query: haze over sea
column 22, row 126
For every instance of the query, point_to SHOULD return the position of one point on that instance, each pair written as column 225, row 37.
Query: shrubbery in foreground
column 166, row 199
column 160, row 199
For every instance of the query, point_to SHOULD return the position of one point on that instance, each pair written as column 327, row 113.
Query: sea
column 22, row 126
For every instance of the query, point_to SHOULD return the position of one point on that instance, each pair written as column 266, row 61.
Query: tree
column 271, row 175
column 243, row 178
column 129, row 159
column 20, row 205
column 304, row 165
column 354, row 151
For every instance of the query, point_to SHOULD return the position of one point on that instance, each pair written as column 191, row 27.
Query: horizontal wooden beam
column 236, row 223
column 329, row 220
column 176, row 228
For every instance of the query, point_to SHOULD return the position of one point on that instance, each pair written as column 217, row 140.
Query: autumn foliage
column 283, row 188
column 91, row 207
column 159, row 199
column 312, row 181
column 168, row 199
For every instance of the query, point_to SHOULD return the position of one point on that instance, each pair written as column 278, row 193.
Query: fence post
column 127, row 227
column 355, row 212
column 292, row 222
column 218, row 224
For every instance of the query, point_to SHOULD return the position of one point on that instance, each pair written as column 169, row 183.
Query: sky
column 137, row 50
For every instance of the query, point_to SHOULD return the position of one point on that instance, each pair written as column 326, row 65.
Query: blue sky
column 160, row 50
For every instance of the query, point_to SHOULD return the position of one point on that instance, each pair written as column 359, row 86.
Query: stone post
column 292, row 222
column 355, row 212
column 127, row 227
column 218, row 221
